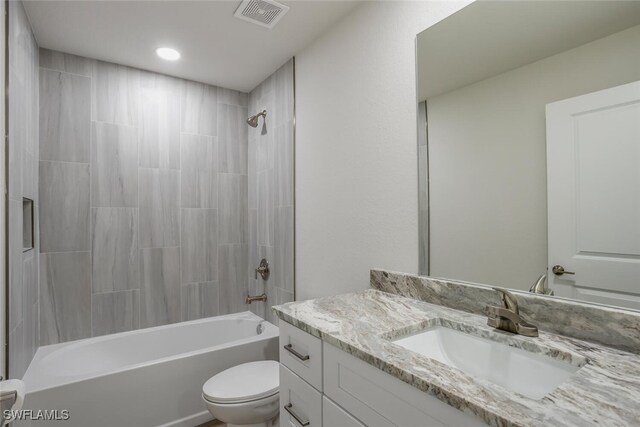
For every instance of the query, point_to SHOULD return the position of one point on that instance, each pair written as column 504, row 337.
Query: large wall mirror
column 529, row 148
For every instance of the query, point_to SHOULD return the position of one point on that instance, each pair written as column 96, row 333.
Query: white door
column 593, row 188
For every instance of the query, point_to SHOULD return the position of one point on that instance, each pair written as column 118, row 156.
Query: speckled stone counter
column 605, row 391
column 611, row 326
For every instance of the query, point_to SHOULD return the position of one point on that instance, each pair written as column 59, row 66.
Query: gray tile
column 18, row 37
column 116, row 93
column 30, row 301
column 252, row 175
column 232, row 137
column 257, row 307
column 199, row 245
column 283, row 248
column 29, row 279
column 253, row 242
column 17, row 357
column 232, row 97
column 17, row 136
column 36, row 230
column 30, row 176
column 32, row 108
column 265, row 208
column 272, row 299
column 114, row 165
column 276, row 296
column 160, row 82
column 159, row 208
column 115, row 312
column 283, row 90
column 159, row 286
column 159, row 127
column 199, row 108
column 65, row 297
column 65, row 116
column 198, row 172
column 283, row 170
column 15, row 263
column 60, row 61
column 31, row 332
column 114, row 265
column 232, row 261
column 64, row 207
column 199, row 300
column 265, row 151
column 232, row 205
column 283, row 296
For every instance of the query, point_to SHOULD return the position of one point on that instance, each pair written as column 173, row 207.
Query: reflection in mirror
column 529, row 147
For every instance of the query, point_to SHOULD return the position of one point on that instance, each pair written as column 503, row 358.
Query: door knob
column 559, row 270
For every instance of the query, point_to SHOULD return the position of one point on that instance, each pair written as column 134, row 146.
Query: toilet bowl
column 245, row 395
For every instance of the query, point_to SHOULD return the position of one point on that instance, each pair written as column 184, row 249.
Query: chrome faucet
column 541, row 287
column 507, row 318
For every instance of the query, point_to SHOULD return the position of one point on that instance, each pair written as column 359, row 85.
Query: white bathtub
column 148, row 377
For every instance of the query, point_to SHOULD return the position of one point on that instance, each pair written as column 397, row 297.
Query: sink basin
column 532, row 375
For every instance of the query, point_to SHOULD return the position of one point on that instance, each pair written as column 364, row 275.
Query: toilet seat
column 243, row 383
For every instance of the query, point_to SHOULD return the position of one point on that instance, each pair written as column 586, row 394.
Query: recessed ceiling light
column 168, row 53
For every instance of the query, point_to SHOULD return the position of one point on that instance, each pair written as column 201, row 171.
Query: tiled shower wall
column 23, row 181
column 271, row 212
column 143, row 189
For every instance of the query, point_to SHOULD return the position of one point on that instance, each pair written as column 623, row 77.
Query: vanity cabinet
column 302, row 354
column 322, row 385
column 333, row 415
column 300, row 404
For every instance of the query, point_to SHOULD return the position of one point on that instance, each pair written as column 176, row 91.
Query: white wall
column 487, row 161
column 356, row 162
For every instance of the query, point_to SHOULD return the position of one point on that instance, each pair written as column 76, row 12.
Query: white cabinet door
column 300, row 404
column 302, row 353
column 593, row 185
column 380, row 400
column 335, row 416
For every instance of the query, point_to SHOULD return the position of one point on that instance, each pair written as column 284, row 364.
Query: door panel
column 593, row 185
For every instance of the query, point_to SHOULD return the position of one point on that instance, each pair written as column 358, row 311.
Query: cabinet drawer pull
column 289, row 409
column 290, row 349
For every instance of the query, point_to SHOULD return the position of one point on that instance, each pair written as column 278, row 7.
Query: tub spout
column 251, row 299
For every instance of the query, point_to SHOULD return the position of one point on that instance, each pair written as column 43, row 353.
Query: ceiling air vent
column 266, row 13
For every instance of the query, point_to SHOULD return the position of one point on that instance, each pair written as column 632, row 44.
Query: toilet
column 245, row 395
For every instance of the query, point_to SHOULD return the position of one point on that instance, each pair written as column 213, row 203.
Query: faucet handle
column 263, row 270
column 508, row 299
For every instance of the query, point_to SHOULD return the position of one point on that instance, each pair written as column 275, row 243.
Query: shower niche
column 27, row 225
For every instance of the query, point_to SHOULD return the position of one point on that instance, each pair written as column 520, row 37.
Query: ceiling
column 487, row 38
column 216, row 48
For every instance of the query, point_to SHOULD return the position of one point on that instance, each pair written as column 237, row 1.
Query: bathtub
column 148, row 377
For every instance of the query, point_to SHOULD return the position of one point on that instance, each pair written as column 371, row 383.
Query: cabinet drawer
column 379, row 399
column 302, row 353
column 334, row 416
column 300, row 404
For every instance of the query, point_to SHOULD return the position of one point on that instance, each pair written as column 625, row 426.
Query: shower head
column 253, row 120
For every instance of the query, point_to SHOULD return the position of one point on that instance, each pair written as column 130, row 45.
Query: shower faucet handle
column 263, row 269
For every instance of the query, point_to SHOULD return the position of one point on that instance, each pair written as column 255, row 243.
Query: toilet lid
column 243, row 383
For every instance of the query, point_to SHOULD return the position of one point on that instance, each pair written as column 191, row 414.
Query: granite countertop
column 605, row 391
